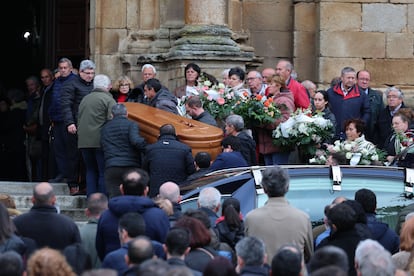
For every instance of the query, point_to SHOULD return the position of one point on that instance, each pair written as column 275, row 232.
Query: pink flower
column 221, row 101
column 210, row 98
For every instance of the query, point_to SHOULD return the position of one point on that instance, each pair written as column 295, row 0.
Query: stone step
column 21, row 192
column 15, row 188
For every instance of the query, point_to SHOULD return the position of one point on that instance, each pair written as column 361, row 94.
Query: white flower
column 207, row 83
column 348, row 155
column 374, row 157
column 286, row 127
column 348, row 147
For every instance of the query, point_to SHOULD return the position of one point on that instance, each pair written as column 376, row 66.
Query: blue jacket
column 116, row 259
column 121, row 143
column 156, row 221
column 167, row 160
column 226, row 160
column 55, row 109
column 354, row 105
column 383, row 234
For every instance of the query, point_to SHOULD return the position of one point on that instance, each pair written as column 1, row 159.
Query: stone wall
column 321, row 37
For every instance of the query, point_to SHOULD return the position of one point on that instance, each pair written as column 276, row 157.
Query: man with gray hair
column 122, row 146
column 395, row 101
column 255, row 82
column 251, row 257
column 148, row 71
column 235, row 127
column 171, row 191
column 94, row 110
column 348, row 101
column 209, row 201
column 277, row 222
column 371, row 258
column 72, row 93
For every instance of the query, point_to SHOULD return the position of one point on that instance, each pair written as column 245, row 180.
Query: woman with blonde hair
column 122, row 91
column 48, row 261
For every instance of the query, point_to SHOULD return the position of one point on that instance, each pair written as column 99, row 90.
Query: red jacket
column 300, row 95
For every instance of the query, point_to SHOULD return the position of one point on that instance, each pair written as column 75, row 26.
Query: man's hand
column 72, row 129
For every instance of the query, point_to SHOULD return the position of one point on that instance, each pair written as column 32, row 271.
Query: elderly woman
column 355, row 144
column 402, row 135
column 122, row 91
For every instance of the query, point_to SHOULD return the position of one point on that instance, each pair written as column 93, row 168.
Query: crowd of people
column 74, row 128
column 134, row 234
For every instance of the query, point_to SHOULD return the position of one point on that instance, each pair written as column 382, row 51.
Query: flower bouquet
column 405, row 139
column 356, row 153
column 257, row 111
column 303, row 130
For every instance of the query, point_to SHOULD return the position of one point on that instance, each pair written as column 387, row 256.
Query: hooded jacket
column 156, row 220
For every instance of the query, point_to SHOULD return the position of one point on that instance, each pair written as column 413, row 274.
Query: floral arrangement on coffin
column 257, row 111
column 354, row 152
column 303, row 130
column 217, row 100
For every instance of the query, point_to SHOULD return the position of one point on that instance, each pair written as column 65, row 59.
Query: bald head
column 171, row 191
column 43, row 194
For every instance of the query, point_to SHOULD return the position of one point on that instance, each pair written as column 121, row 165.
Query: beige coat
column 278, row 223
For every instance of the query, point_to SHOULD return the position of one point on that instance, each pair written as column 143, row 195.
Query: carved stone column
column 205, row 32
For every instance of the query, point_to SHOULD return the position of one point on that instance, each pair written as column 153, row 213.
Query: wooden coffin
column 199, row 136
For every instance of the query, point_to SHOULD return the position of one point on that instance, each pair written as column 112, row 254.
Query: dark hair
column 6, row 225
column 177, row 241
column 231, row 212
column 78, row 258
column 194, row 101
column 339, row 157
column 193, row 66
column 368, row 200
column 287, row 261
column 135, row 181
column 140, row 249
column 167, row 129
column 200, row 235
column 200, row 215
column 203, row 159
column 324, row 94
column 342, row 216
column 220, row 266
column 359, row 124
column 153, row 83
column 328, row 255
column 11, row 263
column 238, row 71
column 232, row 141
column 133, row 223
column 359, row 210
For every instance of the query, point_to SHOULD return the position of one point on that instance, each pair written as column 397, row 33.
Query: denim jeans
column 95, row 166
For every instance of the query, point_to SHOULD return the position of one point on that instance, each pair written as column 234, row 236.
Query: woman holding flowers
column 402, row 135
column 320, row 101
column 356, row 148
column 282, row 97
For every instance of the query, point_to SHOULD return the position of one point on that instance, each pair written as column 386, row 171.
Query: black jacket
column 72, row 93
column 48, row 228
column 167, row 160
column 248, row 148
column 121, row 143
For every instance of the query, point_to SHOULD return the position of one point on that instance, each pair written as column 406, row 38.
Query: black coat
column 48, row 228
column 167, row 160
column 121, row 143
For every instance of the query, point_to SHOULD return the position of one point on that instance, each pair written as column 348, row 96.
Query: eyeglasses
column 124, row 84
column 88, row 73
